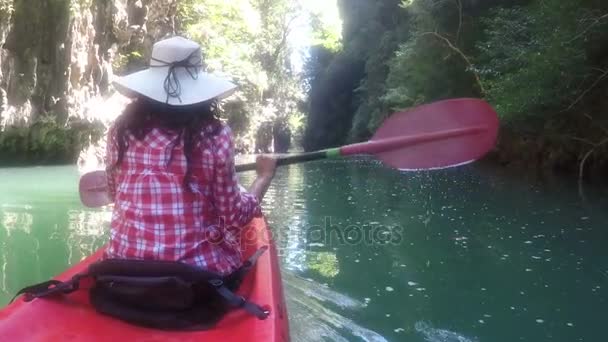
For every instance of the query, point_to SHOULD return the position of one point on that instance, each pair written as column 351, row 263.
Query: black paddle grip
column 287, row 160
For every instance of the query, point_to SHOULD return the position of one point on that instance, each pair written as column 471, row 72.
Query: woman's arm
column 110, row 159
column 235, row 207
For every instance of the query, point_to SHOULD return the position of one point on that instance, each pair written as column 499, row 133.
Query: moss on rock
column 46, row 142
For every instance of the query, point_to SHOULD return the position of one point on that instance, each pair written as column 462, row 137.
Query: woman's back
column 156, row 217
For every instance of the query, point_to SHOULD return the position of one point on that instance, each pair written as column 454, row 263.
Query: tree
column 248, row 40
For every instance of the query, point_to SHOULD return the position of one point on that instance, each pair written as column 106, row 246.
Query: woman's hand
column 266, row 166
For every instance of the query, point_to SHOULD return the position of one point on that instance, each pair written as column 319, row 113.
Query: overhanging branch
column 459, row 52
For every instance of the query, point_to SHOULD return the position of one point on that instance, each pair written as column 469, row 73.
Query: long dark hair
column 142, row 115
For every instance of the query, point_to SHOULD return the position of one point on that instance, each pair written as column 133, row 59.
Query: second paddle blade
column 93, row 189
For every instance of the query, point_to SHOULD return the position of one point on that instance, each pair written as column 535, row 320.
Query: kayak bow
column 72, row 317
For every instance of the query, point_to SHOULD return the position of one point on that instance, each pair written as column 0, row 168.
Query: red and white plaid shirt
column 155, row 219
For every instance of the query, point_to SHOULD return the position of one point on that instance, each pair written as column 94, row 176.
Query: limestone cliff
column 58, row 56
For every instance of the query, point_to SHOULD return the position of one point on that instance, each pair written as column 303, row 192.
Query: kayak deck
column 72, row 318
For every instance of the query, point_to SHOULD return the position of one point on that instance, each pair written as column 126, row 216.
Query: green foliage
column 77, row 6
column 327, row 31
column 128, row 62
column 248, row 40
column 6, row 8
column 332, row 80
column 427, row 66
column 297, row 124
column 45, row 142
column 345, row 85
column 531, row 59
column 226, row 30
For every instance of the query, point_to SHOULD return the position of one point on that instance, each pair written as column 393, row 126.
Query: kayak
column 72, row 318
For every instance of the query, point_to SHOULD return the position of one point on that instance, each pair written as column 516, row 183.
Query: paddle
column 434, row 136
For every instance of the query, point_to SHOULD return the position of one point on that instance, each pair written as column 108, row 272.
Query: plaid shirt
column 154, row 218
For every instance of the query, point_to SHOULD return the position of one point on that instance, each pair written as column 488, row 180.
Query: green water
column 371, row 254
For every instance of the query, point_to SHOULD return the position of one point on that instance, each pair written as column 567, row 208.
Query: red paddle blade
column 93, row 189
column 442, row 134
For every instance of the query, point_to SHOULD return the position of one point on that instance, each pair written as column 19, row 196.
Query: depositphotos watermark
column 353, row 234
column 325, row 234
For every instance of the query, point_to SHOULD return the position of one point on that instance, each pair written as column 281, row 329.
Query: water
column 371, row 254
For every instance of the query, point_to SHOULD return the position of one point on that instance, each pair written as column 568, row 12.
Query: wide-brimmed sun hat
column 175, row 76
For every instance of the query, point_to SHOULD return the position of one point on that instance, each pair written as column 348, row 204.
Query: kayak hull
column 72, row 318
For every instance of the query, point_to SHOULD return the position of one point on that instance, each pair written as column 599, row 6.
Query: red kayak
column 72, row 318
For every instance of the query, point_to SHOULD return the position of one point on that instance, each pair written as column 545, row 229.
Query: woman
column 170, row 166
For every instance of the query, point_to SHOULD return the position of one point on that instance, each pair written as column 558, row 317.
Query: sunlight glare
column 327, row 10
column 302, row 35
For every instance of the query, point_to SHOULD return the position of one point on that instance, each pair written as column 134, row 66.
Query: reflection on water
column 372, row 254
column 43, row 227
column 325, row 263
column 87, row 232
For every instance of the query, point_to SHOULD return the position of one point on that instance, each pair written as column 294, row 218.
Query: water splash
column 321, row 292
column 440, row 335
column 306, row 299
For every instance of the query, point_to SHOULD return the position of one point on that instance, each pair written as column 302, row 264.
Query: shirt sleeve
column 110, row 159
column 234, row 206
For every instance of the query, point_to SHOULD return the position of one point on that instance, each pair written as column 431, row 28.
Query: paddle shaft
column 294, row 159
column 369, row 147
